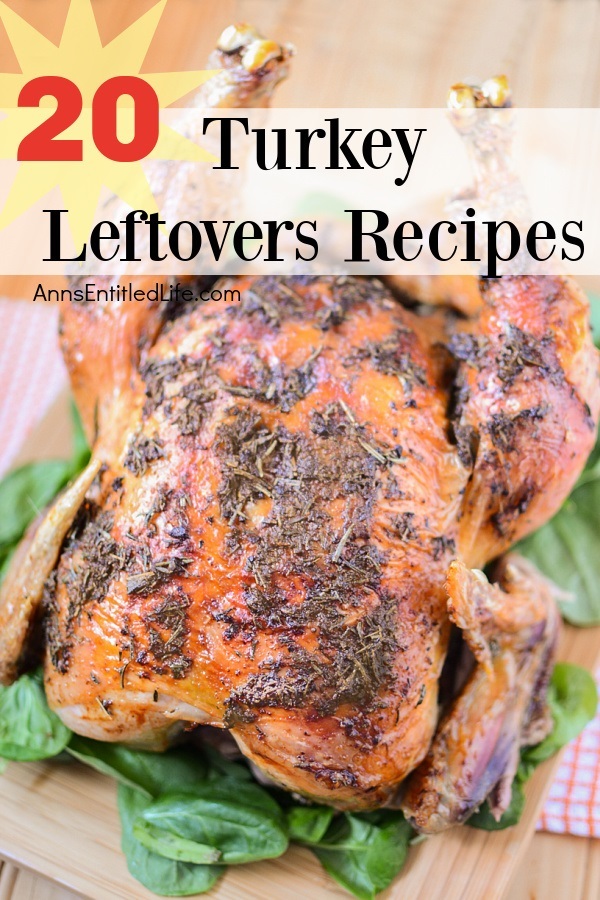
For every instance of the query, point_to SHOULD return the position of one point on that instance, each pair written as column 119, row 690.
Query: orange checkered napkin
column 31, row 377
column 573, row 804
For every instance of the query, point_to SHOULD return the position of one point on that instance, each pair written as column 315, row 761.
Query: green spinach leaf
column 308, row 824
column 364, row 853
column 151, row 773
column 566, row 550
column 167, row 877
column 25, row 492
column 173, row 846
column 5, row 558
column 595, row 317
column 81, row 451
column 573, row 699
column 29, row 730
column 239, row 820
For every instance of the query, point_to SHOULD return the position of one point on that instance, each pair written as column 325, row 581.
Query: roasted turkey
column 290, row 501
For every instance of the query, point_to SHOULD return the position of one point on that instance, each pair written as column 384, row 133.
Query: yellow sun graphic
column 81, row 58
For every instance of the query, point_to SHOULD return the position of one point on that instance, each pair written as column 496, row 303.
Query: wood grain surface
column 62, row 822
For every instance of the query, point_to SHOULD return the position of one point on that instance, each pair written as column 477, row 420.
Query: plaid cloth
column 573, row 804
column 32, row 375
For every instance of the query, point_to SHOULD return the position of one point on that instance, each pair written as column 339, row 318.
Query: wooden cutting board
column 61, row 821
